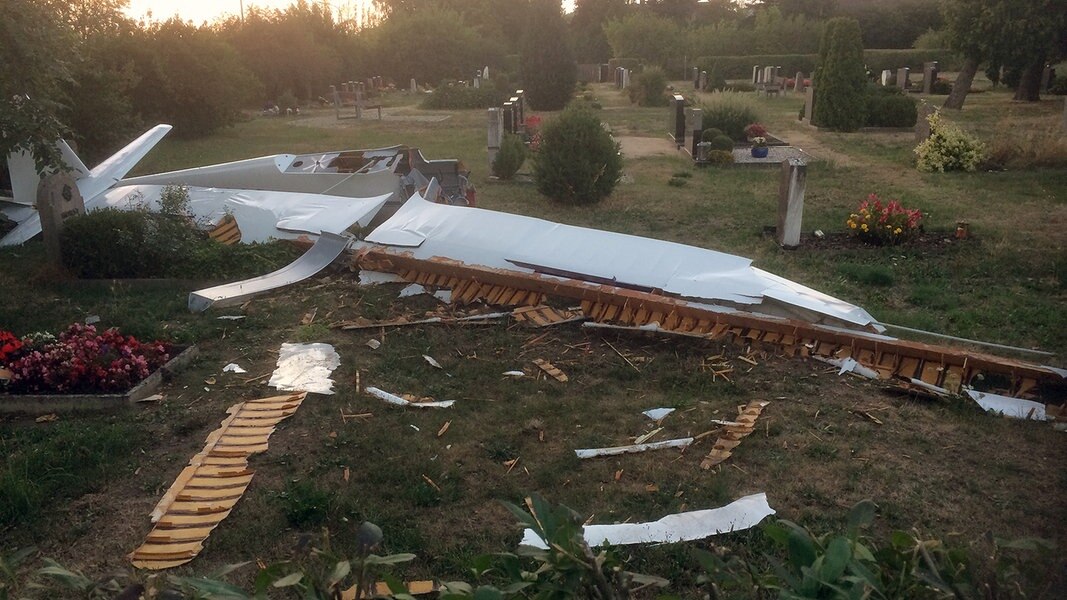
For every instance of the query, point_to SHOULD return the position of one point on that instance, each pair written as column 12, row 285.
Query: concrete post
column 902, row 78
column 496, row 134
column 798, row 82
column 791, row 202
column 809, row 103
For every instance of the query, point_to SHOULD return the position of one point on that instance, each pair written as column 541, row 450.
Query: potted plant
column 757, row 136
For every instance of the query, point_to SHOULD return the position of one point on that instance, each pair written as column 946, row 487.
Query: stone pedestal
column 58, row 199
column 694, row 124
column 791, row 202
column 809, row 103
column 496, row 134
column 676, row 120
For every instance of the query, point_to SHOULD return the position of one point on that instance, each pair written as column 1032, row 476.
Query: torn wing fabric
column 517, row 243
column 305, row 368
column 681, row 527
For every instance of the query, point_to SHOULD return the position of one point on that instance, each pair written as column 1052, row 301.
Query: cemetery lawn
column 937, row 468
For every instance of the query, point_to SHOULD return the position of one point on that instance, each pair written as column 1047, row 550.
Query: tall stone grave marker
column 887, row 76
column 676, row 119
column 694, row 124
column 902, row 78
column 496, row 134
column 791, row 202
column 58, row 199
column 414, row 86
column 703, row 80
column 809, row 103
column 755, row 74
column 798, row 82
column 930, row 72
column 922, row 125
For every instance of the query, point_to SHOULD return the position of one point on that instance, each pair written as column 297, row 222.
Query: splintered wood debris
column 549, row 368
column 410, row 400
column 733, row 433
column 544, row 316
column 381, row 590
column 206, row 491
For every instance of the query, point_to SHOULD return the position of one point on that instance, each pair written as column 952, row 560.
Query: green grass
column 943, row 467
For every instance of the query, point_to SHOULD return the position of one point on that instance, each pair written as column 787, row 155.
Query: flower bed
column 82, row 368
column 890, row 223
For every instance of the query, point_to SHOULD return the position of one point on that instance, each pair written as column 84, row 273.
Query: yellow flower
column 897, row 231
column 864, row 227
column 852, row 224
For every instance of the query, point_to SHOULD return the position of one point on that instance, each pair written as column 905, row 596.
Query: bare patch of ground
column 639, row 147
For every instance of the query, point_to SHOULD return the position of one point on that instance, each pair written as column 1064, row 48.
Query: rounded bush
column 112, row 243
column 510, row 157
column 720, row 157
column 578, row 161
column 895, row 109
column 948, row 148
column 453, row 95
column 722, row 142
column 709, row 134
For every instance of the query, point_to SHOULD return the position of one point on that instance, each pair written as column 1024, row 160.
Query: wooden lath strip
column 732, row 434
column 206, row 491
column 793, row 337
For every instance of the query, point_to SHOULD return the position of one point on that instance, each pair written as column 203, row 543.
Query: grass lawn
column 81, row 488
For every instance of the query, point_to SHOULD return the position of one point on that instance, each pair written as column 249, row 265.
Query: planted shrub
column 648, row 88
column 454, row 96
column 719, row 157
column 841, row 79
column 111, row 243
column 510, row 157
column 722, row 142
column 578, row 161
column 890, row 107
column 716, row 80
column 948, row 148
column 729, row 112
column 709, row 134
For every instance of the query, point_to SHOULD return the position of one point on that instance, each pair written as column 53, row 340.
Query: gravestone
column 777, row 75
column 798, row 82
column 521, row 95
column 768, row 75
column 694, row 124
column 887, row 76
column 922, row 125
column 902, row 78
column 791, row 202
column 414, row 87
column 676, row 119
column 477, row 82
column 695, row 78
column 703, row 80
column 336, row 97
column 496, row 134
column 809, row 103
column 485, row 73
column 755, row 74
column 930, row 72
column 516, row 114
column 58, row 199
column 508, row 112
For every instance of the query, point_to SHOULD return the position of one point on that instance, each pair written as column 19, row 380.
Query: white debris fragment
column 1015, row 408
column 374, row 344
column 376, row 278
column 233, row 368
column 305, row 368
column 443, row 295
column 433, row 363
column 657, row 414
column 594, row 452
column 514, row 373
column 694, row 525
column 92, row 319
column 230, row 317
column 398, row 401
column 411, row 290
column 414, row 427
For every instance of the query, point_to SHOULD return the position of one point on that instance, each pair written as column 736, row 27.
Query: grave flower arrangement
column 79, row 360
column 754, row 132
column 888, row 223
column 533, row 132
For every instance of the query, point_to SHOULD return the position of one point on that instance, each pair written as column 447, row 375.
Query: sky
column 199, row 11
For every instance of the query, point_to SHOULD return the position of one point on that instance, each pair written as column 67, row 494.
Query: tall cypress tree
column 549, row 72
column 840, row 78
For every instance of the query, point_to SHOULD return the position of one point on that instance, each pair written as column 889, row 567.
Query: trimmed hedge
column 890, row 107
column 452, row 95
column 740, row 67
column 627, row 63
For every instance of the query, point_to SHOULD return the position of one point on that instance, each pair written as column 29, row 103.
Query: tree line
column 83, row 70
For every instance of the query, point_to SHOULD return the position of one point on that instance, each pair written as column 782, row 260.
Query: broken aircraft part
column 326, row 249
column 305, row 367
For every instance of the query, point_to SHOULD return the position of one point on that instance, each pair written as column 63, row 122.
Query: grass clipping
column 733, row 433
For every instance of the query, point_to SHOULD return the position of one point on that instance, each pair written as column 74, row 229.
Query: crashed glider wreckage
column 283, row 196
column 652, row 285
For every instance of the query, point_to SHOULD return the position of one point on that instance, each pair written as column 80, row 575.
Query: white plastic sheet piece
column 233, row 368
column 657, row 413
column 681, row 527
column 595, row 452
column 1009, row 407
column 305, row 367
column 398, row 401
